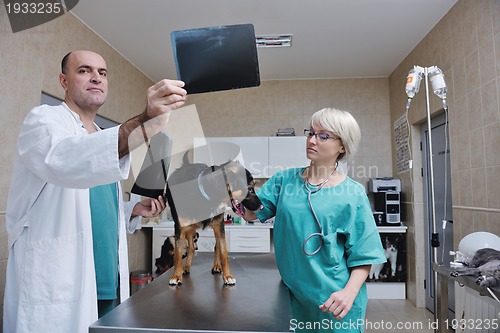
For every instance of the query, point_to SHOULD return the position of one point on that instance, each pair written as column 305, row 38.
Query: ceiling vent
column 273, row 40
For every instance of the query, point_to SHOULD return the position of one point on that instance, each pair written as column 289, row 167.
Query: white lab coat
column 51, row 284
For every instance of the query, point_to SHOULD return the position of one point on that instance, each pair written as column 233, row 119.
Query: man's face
column 85, row 80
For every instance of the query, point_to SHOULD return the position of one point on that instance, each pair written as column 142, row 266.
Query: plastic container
column 138, row 280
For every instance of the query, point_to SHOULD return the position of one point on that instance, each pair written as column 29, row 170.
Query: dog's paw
column 229, row 280
column 186, row 270
column 175, row 281
column 216, row 269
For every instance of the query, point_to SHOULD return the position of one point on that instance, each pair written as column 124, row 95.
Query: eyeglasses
column 321, row 137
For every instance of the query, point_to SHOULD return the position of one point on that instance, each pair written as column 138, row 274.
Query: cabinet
column 249, row 240
column 255, row 154
column 262, row 156
column 287, row 152
column 206, row 240
column 213, row 151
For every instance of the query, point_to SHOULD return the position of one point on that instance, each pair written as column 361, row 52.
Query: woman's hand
column 339, row 303
column 149, row 207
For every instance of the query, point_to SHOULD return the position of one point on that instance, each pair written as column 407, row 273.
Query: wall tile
column 456, row 38
column 489, row 103
column 465, row 185
column 474, row 110
column 493, row 187
column 470, row 28
column 477, row 152
column 463, row 152
column 480, row 221
column 459, row 79
column 492, row 144
column 472, row 71
column 6, row 174
column 4, row 250
column 478, row 181
column 494, row 223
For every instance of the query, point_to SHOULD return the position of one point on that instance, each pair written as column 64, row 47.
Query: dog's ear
column 250, row 178
column 185, row 158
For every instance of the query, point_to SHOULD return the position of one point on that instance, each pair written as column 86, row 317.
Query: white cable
column 408, row 143
column 445, row 206
column 493, row 295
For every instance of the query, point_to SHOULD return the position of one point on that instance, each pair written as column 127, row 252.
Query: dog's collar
column 226, row 181
column 200, row 183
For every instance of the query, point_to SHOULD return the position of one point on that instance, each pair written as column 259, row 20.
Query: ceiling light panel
column 273, row 40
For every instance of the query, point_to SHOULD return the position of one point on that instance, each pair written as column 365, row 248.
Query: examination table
column 259, row 302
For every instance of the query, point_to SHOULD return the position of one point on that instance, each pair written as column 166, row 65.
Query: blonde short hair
column 342, row 124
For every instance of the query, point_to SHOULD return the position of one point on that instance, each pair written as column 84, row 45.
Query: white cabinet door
column 262, row 156
column 287, row 152
column 254, row 154
column 215, row 152
column 248, row 239
column 206, row 240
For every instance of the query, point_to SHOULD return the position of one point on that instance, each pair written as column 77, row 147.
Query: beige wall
column 465, row 44
column 30, row 64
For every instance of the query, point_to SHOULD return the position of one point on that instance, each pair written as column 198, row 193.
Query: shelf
column 392, row 229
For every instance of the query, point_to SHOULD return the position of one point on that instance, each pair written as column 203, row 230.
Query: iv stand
column 435, row 236
column 439, row 314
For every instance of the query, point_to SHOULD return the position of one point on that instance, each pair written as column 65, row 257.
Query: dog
column 486, row 264
column 197, row 190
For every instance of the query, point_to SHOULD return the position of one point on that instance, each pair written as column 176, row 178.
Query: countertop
column 259, row 302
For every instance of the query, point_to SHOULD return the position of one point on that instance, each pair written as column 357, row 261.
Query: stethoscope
column 319, row 234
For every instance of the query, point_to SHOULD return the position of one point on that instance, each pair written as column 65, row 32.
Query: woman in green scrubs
column 325, row 237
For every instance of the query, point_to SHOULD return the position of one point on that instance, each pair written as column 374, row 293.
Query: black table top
column 259, row 302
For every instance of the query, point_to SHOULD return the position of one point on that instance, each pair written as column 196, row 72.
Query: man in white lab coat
column 61, row 154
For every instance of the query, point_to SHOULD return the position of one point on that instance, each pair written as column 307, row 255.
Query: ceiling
column 331, row 38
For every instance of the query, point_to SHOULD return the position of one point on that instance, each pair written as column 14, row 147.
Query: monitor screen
column 216, row 58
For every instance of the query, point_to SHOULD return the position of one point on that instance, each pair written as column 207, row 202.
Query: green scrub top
column 351, row 239
column 104, row 213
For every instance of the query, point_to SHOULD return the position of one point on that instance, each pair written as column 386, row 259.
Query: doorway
column 443, row 204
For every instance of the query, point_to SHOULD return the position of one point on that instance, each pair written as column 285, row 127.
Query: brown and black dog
column 198, row 196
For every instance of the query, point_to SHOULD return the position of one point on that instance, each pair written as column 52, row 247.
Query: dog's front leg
column 176, row 278
column 190, row 250
column 221, row 260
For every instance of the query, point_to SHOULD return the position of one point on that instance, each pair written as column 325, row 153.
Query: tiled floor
column 401, row 316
